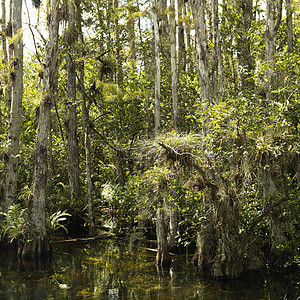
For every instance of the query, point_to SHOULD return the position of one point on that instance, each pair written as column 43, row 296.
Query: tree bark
column 15, row 109
column 163, row 258
column 37, row 244
column 198, row 11
column 181, row 42
column 3, row 20
column 245, row 62
column 73, row 156
column 217, row 61
column 155, row 12
column 272, row 26
column 289, row 23
column 174, row 67
column 87, row 144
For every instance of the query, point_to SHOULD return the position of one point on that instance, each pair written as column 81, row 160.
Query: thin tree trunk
column 216, row 40
column 244, row 52
column 131, row 34
column 289, row 22
column 87, row 144
column 73, row 156
column 217, row 65
column 189, row 50
column 4, row 45
column 38, row 244
column 173, row 224
column 157, row 68
column 272, row 26
column 10, row 58
column 174, row 66
column 16, row 75
column 181, row 42
column 163, row 258
column 198, row 11
column 87, row 147
column 119, row 69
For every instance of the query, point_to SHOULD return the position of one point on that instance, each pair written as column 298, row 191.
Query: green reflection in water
column 110, row 270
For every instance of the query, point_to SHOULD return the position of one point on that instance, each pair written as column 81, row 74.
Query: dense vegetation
column 179, row 122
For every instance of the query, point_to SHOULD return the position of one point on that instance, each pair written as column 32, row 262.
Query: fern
column 54, row 221
column 14, row 225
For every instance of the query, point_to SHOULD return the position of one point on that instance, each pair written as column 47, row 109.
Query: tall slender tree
column 155, row 12
column 16, row 75
column 181, row 41
column 37, row 244
column 289, row 22
column 73, row 156
column 198, row 11
column 217, row 62
column 273, row 19
column 174, row 66
column 245, row 61
column 85, row 107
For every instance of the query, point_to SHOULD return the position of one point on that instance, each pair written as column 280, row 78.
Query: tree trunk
column 157, row 68
column 16, row 75
column 244, row 52
column 163, row 258
column 181, row 43
column 131, row 34
column 87, row 145
column 289, row 23
column 272, row 26
column 10, row 58
column 37, row 244
column 73, row 156
column 118, row 46
column 217, row 63
column 198, row 11
column 174, row 66
column 3, row 20
column 173, row 228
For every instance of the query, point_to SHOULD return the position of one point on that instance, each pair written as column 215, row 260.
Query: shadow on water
column 109, row 270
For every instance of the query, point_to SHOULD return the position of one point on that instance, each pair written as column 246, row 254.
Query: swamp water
column 108, row 269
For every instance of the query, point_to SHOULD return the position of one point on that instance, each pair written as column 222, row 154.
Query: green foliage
column 14, row 225
column 55, row 221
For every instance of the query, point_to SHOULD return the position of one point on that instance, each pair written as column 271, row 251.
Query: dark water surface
column 108, row 269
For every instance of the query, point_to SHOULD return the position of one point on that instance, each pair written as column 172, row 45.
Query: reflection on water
column 109, row 270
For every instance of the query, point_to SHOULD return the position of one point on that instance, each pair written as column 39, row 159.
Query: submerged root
column 34, row 249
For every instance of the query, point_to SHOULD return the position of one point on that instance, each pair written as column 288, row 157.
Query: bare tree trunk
column 73, row 156
column 87, row 144
column 216, row 50
column 16, row 75
column 38, row 244
column 173, row 224
column 163, row 258
column 131, row 34
column 181, row 42
column 189, row 50
column 244, row 52
column 10, row 57
column 174, row 66
column 119, row 69
column 198, row 11
column 289, row 21
column 87, row 147
column 155, row 12
column 4, row 45
column 272, row 26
